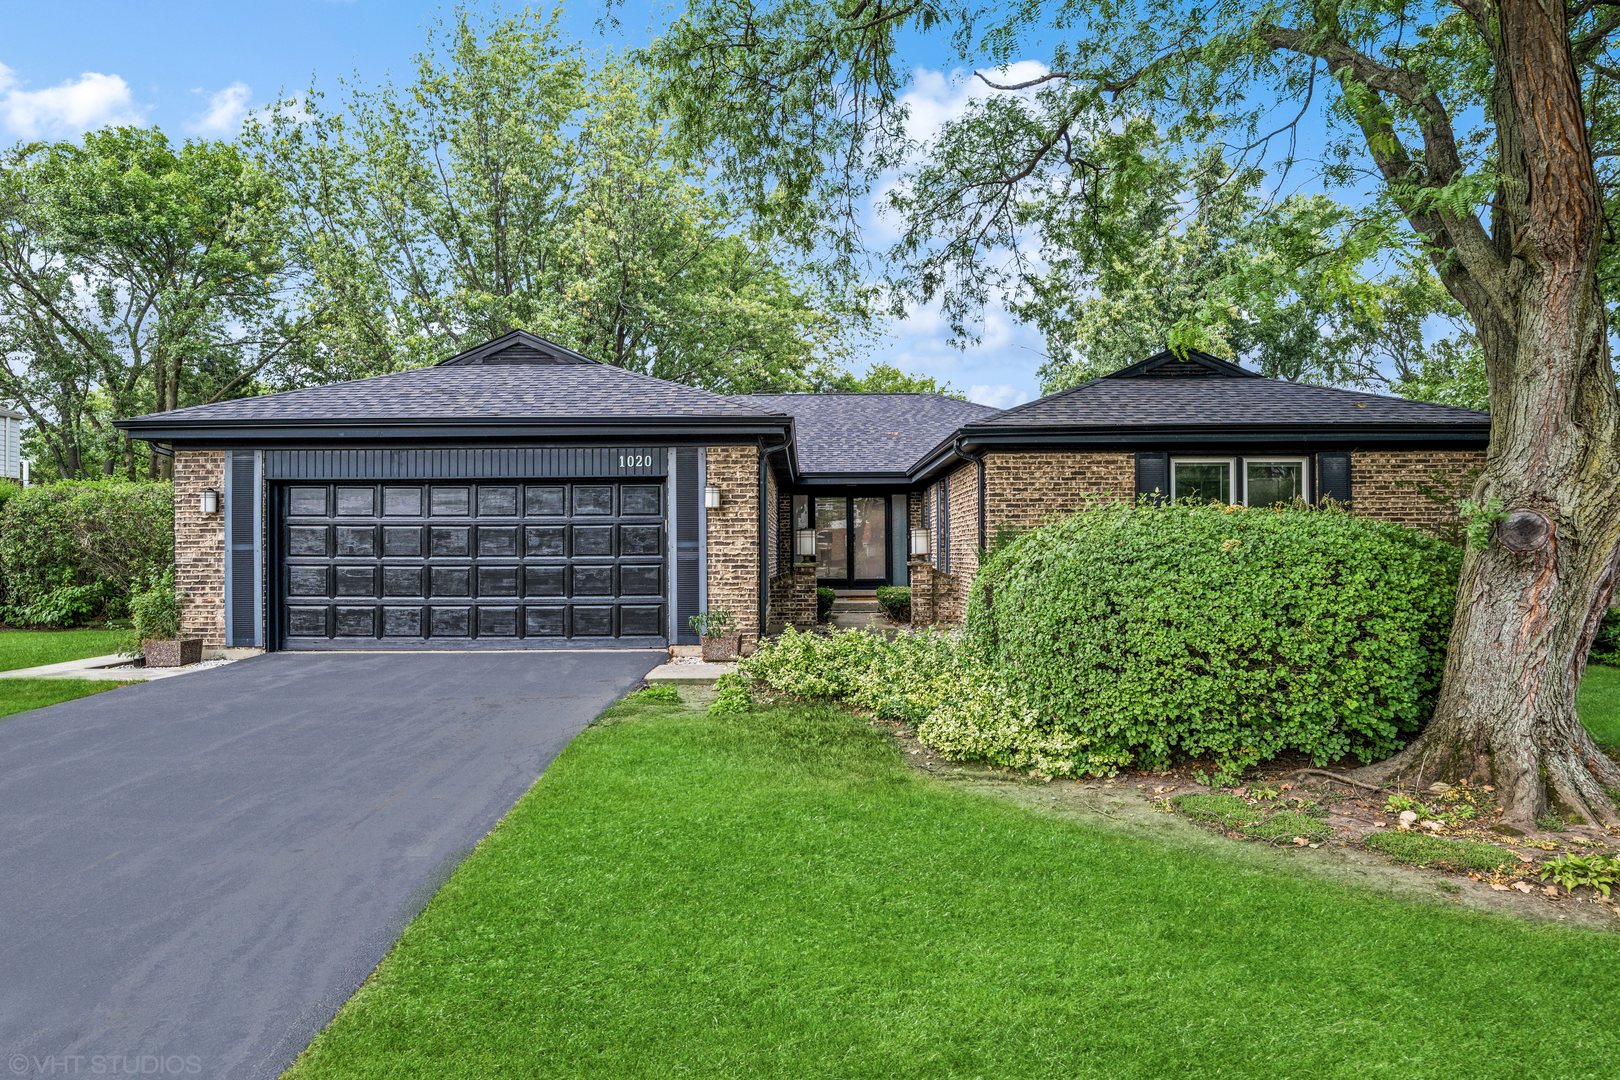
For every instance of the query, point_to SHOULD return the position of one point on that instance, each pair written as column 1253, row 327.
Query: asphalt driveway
column 196, row 873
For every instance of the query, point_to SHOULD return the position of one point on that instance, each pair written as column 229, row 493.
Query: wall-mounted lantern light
column 208, row 501
column 804, row 544
column 920, row 543
column 711, row 498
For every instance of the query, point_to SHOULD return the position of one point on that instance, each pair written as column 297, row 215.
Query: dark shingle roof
column 1198, row 391
column 868, row 433
column 514, row 387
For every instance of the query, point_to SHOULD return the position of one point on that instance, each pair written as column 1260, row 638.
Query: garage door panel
column 493, row 561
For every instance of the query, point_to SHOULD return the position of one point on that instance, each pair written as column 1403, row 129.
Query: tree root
column 1337, row 778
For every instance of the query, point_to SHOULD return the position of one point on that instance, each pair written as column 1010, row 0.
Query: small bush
column 895, row 601
column 154, row 610
column 1153, row 634
column 926, row 678
column 1420, row 849
column 1600, row 872
column 1606, row 643
column 69, row 552
column 824, row 603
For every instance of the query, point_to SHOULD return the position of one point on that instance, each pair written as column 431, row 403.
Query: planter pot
column 720, row 647
column 171, row 652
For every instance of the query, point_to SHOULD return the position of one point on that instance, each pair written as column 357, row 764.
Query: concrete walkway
column 112, row 667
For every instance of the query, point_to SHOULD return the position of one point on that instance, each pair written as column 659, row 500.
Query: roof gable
column 517, row 347
column 1191, row 365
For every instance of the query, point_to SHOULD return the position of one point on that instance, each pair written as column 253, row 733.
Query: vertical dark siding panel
column 240, row 568
column 688, row 565
column 1153, row 474
column 1333, row 479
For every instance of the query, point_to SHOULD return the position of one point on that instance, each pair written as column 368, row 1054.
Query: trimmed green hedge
column 1165, row 633
column 895, row 601
column 70, row 552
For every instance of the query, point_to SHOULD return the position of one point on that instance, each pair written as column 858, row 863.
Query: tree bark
column 1530, row 600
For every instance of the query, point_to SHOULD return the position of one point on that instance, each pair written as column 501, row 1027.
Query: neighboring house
column 520, row 493
column 11, row 422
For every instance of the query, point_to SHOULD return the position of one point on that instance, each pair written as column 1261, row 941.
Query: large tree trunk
column 1531, row 598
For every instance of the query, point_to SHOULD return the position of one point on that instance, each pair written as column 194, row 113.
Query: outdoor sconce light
column 208, row 501
column 804, row 544
column 711, row 498
column 919, row 543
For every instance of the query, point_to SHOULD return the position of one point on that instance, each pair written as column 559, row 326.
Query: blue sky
column 196, row 68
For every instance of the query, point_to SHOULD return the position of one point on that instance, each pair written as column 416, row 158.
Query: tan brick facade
column 1419, row 488
column 199, row 546
column 733, row 536
column 1023, row 490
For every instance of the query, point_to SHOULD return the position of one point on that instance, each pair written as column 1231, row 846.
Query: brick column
column 922, row 591
column 199, row 547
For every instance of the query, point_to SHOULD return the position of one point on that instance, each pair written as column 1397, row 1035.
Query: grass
column 21, row 695
column 1599, row 703
column 30, row 648
column 778, row 894
column 1423, row 850
column 1238, row 815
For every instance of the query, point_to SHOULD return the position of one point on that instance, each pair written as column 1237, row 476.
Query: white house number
column 635, row 461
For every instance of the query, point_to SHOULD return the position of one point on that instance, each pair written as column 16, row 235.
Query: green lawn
column 30, row 648
column 20, row 695
column 1599, row 703
column 779, row 894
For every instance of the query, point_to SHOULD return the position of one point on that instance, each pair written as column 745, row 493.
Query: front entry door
column 852, row 539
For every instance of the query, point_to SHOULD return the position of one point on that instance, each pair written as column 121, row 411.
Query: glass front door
column 852, row 537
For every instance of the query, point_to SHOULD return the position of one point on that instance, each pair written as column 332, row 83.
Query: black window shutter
column 1333, row 478
column 942, row 543
column 688, row 501
column 241, row 572
column 1153, row 474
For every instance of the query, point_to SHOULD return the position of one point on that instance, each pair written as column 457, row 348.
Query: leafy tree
column 135, row 277
column 1484, row 134
column 880, row 378
column 508, row 186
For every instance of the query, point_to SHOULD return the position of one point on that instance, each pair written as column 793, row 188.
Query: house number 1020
column 635, row 461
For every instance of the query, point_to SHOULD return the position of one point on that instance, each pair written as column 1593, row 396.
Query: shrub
column 926, row 678
column 1150, row 634
column 824, row 603
column 153, row 609
column 1420, row 849
column 1600, row 872
column 69, row 552
column 895, row 601
column 1606, row 643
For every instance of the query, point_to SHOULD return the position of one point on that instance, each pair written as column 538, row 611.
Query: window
column 1266, row 481
column 1274, row 480
column 1204, row 479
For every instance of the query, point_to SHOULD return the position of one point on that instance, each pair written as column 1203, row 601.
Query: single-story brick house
column 522, row 494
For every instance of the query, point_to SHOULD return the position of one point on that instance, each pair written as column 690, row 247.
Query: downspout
column 975, row 458
column 764, row 598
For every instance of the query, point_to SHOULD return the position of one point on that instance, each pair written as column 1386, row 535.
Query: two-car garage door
column 487, row 562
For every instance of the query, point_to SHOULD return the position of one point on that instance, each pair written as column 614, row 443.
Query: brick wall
column 199, row 546
column 793, row 599
column 1023, row 490
column 1414, row 487
column 733, row 536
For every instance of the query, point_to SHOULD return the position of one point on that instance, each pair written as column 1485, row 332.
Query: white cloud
column 999, row 396
column 69, row 108
column 226, row 110
column 936, row 97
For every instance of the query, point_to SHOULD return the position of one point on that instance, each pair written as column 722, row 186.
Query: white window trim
column 1229, row 462
column 1304, row 473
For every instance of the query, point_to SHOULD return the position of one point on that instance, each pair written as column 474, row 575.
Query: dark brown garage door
column 486, row 562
